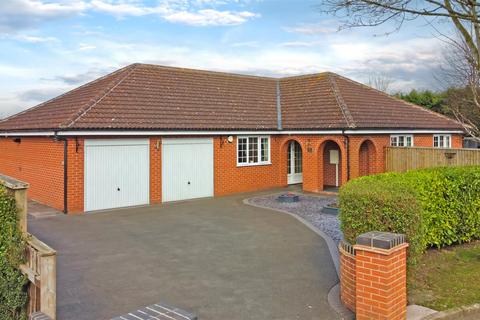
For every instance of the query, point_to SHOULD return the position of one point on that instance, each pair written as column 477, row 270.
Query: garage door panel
column 116, row 173
column 187, row 169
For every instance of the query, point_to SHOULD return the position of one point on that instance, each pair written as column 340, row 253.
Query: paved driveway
column 218, row 258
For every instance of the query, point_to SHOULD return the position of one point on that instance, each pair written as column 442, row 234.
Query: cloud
column 121, row 9
column 210, row 17
column 81, row 78
column 30, row 38
column 37, row 95
column 311, row 29
column 21, row 14
column 298, row 44
column 86, row 47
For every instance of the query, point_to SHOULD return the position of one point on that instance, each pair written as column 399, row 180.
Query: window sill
column 240, row 165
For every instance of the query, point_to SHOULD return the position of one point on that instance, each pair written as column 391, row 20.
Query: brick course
column 39, row 161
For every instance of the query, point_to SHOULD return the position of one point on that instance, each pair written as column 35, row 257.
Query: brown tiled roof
column 153, row 97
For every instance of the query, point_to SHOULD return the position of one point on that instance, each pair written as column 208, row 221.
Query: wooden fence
column 40, row 268
column 400, row 159
column 40, row 259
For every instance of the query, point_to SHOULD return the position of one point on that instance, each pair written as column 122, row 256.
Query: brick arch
column 284, row 156
column 327, row 171
column 367, row 158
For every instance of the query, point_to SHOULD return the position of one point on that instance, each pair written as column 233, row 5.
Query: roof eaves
column 87, row 107
column 341, row 102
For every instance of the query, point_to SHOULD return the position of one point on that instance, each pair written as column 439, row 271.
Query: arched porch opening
column 366, row 158
column 331, row 165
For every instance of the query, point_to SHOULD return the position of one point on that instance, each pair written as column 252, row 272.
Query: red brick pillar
column 381, row 289
column 347, row 275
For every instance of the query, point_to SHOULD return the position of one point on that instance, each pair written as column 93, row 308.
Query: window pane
column 242, row 150
column 442, row 143
column 393, row 141
column 253, row 150
column 447, row 141
column 289, row 159
column 401, row 141
column 435, row 141
column 264, row 157
column 408, row 141
column 298, row 158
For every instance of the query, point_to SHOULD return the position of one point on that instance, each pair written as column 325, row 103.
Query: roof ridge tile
column 341, row 102
column 94, row 101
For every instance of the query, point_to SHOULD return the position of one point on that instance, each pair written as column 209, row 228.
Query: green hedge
column 433, row 207
column 13, row 295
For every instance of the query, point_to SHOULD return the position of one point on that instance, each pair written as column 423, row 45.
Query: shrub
column 13, row 295
column 433, row 207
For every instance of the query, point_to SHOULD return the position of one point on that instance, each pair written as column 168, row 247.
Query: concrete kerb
column 465, row 312
column 334, row 293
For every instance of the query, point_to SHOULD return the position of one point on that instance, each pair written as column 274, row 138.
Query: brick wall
column 155, row 170
column 38, row 161
column 373, row 280
column 381, row 284
column 347, row 276
column 75, row 189
column 229, row 178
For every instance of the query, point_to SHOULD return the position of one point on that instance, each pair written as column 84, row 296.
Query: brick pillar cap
column 381, row 240
column 12, row 183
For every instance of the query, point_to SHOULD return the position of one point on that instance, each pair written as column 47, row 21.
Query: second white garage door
column 187, row 168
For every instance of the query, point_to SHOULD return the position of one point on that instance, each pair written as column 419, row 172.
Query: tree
column 379, row 81
column 428, row 99
column 463, row 16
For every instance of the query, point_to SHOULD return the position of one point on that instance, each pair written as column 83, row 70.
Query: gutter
column 216, row 133
column 65, row 170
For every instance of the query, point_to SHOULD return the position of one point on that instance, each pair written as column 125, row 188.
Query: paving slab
column 217, row 258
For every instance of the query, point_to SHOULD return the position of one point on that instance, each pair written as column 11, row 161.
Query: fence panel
column 40, row 259
column 400, row 159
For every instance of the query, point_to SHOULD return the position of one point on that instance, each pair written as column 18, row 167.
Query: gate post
column 18, row 190
column 381, row 286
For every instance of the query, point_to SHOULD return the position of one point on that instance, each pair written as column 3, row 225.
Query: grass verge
column 446, row 278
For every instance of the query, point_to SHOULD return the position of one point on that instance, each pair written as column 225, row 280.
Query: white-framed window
column 401, row 140
column 442, row 141
column 253, row 150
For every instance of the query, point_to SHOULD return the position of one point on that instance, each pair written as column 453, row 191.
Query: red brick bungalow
column 149, row 134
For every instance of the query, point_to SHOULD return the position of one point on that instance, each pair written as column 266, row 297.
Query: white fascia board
column 399, row 131
column 189, row 133
column 216, row 133
column 27, row 134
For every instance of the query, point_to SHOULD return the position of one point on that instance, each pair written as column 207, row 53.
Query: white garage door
column 187, row 168
column 117, row 173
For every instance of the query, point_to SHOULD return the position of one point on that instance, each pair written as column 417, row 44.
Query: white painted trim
column 401, row 131
column 217, row 133
column 27, row 134
column 259, row 155
column 444, row 136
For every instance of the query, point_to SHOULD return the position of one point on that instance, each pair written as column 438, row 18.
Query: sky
column 48, row 47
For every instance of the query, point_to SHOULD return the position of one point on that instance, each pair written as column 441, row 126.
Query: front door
column 294, row 163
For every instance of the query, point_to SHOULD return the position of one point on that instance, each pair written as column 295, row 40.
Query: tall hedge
column 433, row 207
column 13, row 295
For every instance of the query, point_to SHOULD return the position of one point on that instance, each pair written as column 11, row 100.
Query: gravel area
column 309, row 208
